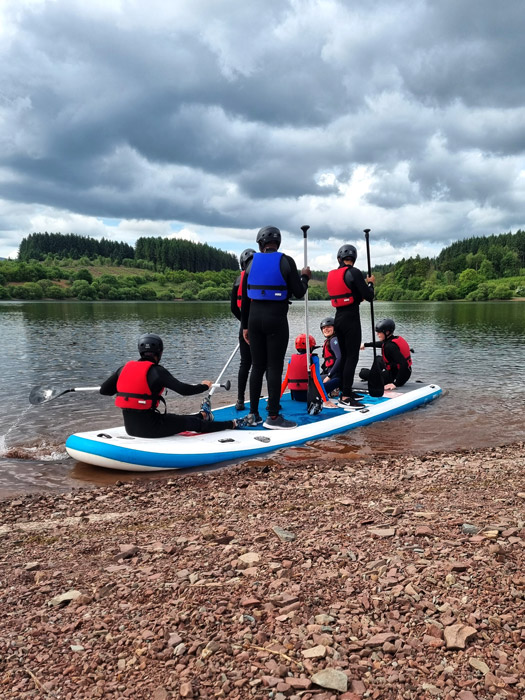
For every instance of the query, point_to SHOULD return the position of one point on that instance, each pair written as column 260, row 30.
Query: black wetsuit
column 151, row 423
column 347, row 326
column 267, row 324
column 395, row 357
column 244, row 348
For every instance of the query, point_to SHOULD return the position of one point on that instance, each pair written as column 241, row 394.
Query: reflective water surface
column 473, row 350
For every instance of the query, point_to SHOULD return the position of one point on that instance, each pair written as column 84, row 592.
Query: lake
column 474, row 351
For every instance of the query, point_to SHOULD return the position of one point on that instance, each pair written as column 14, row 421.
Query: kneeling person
column 297, row 374
column 396, row 356
column 139, row 385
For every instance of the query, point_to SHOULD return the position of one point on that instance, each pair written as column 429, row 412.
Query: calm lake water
column 473, row 350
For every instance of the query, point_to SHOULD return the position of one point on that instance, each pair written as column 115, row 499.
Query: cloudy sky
column 208, row 119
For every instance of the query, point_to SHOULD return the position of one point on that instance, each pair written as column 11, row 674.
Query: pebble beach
column 325, row 580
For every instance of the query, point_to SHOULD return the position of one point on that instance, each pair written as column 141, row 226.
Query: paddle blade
column 313, row 398
column 42, row 394
column 375, row 379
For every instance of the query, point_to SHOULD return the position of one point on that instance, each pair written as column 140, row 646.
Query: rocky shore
column 403, row 578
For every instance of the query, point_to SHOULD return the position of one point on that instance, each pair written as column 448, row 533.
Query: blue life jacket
column 265, row 281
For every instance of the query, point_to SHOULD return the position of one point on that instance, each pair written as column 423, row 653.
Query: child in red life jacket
column 396, row 357
column 296, row 377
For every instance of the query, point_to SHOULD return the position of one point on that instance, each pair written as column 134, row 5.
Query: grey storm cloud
column 215, row 112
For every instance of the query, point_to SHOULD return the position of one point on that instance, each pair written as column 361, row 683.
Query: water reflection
column 473, row 350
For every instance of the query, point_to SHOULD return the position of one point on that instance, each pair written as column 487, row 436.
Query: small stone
column 250, row 558
column 126, row 551
column 76, row 647
column 479, row 665
column 468, row 529
column 382, row 531
column 317, row 652
column 32, row 566
column 379, row 639
column 65, row 598
column 331, row 678
column 457, row 635
column 186, row 691
column 284, row 535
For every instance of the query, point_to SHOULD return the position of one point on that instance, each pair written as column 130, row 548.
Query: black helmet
column 245, row 257
column 150, row 344
column 268, row 234
column 328, row 321
column 387, row 325
column 347, row 251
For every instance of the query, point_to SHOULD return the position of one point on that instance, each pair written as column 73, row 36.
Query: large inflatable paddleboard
column 115, row 449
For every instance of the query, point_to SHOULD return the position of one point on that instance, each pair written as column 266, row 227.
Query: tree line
column 159, row 253
column 475, row 269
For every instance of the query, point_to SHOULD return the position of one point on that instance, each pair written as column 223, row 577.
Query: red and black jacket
column 404, row 348
column 339, row 292
column 133, row 390
column 329, row 357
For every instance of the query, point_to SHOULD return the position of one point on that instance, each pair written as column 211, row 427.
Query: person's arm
column 109, row 387
column 233, row 299
column 315, row 371
column 354, row 277
column 373, row 344
column 336, row 367
column 159, row 377
column 245, row 303
column 297, row 284
column 285, row 380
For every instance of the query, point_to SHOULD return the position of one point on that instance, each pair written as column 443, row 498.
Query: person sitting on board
column 396, row 357
column 297, row 375
column 244, row 349
column 331, row 366
column 347, row 288
column 271, row 279
column 139, row 385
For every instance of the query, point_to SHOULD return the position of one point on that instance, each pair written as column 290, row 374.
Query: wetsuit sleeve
column 285, row 380
column 373, row 344
column 109, row 387
column 316, row 376
column 246, row 301
column 297, row 284
column 355, row 280
column 395, row 357
column 159, row 377
column 233, row 300
column 336, row 367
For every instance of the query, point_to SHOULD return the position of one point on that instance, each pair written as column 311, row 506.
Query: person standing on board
column 347, row 289
column 396, row 356
column 139, row 385
column 244, row 349
column 271, row 279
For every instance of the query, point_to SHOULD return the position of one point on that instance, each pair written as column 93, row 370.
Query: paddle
column 42, row 394
column 313, row 400
column 206, row 404
column 375, row 379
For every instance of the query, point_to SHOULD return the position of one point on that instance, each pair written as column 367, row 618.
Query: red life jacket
column 239, row 290
column 340, row 293
column 403, row 346
column 328, row 355
column 298, row 373
column 133, row 390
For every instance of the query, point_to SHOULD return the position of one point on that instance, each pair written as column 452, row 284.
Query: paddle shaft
column 367, row 239
column 218, row 380
column 304, row 229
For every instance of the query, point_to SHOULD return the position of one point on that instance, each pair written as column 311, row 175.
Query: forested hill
column 157, row 253
column 491, row 267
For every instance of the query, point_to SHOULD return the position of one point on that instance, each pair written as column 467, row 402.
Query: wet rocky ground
column 403, row 578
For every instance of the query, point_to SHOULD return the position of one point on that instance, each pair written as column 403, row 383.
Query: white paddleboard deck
column 113, row 448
